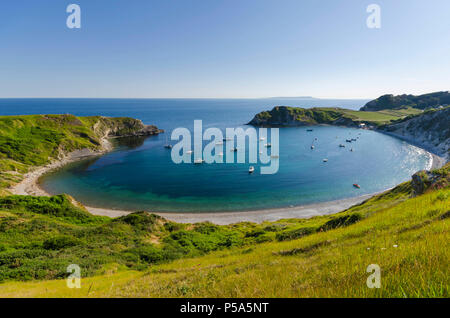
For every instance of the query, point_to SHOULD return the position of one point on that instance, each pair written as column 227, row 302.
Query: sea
column 140, row 173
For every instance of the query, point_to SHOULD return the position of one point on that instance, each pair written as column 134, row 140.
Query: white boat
column 233, row 149
column 262, row 138
column 251, row 169
column 325, row 160
column 167, row 145
column 268, row 145
column 312, row 146
column 189, row 152
column 198, row 161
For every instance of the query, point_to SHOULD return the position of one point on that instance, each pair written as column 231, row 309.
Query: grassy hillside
column 144, row 255
column 35, row 140
column 425, row 101
column 296, row 116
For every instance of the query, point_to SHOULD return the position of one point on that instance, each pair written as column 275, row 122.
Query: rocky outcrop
column 430, row 130
column 123, row 127
column 423, row 181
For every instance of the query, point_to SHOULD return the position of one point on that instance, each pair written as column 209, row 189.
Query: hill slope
column 431, row 129
column 431, row 100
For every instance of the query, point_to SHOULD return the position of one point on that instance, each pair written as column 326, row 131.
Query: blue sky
column 223, row 48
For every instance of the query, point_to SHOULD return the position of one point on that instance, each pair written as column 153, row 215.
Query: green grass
column 380, row 117
column 407, row 238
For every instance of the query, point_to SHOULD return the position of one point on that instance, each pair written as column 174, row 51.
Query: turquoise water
column 140, row 174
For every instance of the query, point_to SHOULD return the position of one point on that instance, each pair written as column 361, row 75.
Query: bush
column 56, row 206
column 141, row 220
column 294, row 234
column 341, row 221
column 60, row 242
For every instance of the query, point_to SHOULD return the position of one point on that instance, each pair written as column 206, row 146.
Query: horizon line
column 280, row 97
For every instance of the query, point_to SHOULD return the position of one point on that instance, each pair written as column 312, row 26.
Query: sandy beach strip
column 30, row 186
column 258, row 216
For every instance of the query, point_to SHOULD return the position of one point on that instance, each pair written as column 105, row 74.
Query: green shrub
column 141, row 220
column 60, row 242
column 341, row 221
column 294, row 234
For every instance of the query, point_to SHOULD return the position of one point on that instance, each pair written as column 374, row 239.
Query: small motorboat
column 189, row 152
column 251, row 169
column 268, row 145
column 351, row 149
column 325, row 160
column 262, row 138
column 233, row 149
column 342, row 145
column 348, row 140
column 167, row 145
column 356, row 185
column 312, row 146
column 198, row 161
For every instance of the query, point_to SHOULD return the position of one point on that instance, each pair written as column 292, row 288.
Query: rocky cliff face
column 123, row 127
column 430, row 130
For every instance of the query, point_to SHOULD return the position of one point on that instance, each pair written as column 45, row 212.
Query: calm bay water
column 140, row 174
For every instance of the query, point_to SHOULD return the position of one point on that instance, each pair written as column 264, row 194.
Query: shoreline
column 30, row 186
column 256, row 216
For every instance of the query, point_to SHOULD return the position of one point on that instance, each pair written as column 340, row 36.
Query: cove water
column 140, row 175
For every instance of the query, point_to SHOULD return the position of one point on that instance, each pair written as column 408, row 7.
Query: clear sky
column 223, row 48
